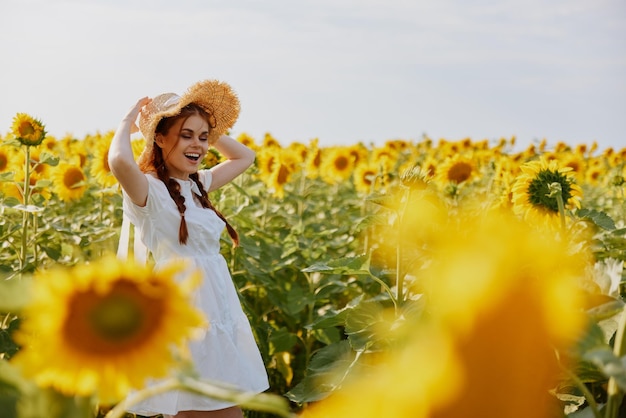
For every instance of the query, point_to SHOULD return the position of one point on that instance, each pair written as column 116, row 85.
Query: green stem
column 102, row 201
column 615, row 394
column 266, row 203
column 259, row 402
column 301, row 189
column 120, row 409
column 35, row 231
column 309, row 338
column 387, row 289
column 586, row 392
column 559, row 202
column 399, row 272
column 622, row 199
column 556, row 191
column 25, row 213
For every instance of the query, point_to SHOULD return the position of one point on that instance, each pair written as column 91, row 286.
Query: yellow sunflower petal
column 105, row 327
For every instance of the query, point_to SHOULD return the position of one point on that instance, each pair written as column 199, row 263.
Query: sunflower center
column 317, row 159
column 459, row 172
column 283, row 175
column 105, row 162
column 4, row 162
column 39, row 168
column 72, row 177
column 270, row 163
column 538, row 190
column 116, row 317
column 341, row 163
column 26, row 129
column 113, row 322
column 367, row 177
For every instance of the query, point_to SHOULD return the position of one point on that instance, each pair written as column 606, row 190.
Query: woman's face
column 184, row 145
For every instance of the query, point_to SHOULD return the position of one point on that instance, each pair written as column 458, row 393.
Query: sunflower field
column 411, row 279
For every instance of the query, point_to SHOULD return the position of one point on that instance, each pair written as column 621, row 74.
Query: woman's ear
column 158, row 139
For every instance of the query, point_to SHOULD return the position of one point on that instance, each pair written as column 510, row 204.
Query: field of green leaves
column 428, row 278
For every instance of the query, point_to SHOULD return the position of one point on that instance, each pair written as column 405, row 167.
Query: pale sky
column 342, row 71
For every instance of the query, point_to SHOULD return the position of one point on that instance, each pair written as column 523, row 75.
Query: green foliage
column 320, row 300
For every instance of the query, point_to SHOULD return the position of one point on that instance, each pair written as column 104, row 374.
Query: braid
column 174, row 190
column 206, row 203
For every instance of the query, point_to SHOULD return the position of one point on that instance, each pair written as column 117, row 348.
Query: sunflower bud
column 28, row 130
column 415, row 178
column 618, row 181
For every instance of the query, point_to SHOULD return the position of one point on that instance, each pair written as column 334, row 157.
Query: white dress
column 228, row 352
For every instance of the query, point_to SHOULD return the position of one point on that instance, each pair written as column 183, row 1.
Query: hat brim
column 215, row 97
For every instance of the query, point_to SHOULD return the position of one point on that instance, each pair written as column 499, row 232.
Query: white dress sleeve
column 136, row 215
column 206, row 178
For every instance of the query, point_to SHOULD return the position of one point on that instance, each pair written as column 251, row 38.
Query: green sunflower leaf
column 609, row 364
column 600, row 219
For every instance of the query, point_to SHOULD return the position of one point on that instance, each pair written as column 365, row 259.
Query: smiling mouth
column 192, row 156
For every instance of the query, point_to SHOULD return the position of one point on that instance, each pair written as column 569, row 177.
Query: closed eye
column 188, row 134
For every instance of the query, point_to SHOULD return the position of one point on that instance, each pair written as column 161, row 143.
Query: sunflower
column 576, row 162
column 137, row 146
column 415, row 178
column 103, row 328
column 211, row 159
column 299, row 150
column 430, row 166
column 397, row 144
column 42, row 170
column 456, row 169
column 313, row 159
column 28, row 130
column 265, row 162
column 386, row 157
column 595, row 173
column 479, row 285
column 270, row 142
column 365, row 176
column 337, row 164
column 360, row 153
column 284, row 165
column 50, row 144
column 15, row 188
column 99, row 166
column 78, row 153
column 475, row 288
column 531, row 192
column 248, row 141
column 64, row 145
column 70, row 182
column 8, row 159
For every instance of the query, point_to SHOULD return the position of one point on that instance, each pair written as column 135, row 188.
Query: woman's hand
column 133, row 112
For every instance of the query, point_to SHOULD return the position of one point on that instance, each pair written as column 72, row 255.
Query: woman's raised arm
column 122, row 161
column 239, row 158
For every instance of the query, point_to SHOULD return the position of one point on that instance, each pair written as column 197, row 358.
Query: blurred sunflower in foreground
column 532, row 191
column 103, row 328
column 502, row 298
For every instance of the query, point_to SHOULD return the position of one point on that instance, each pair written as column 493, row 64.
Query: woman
column 165, row 197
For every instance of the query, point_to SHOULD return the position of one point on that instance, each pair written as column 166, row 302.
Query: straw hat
column 216, row 97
